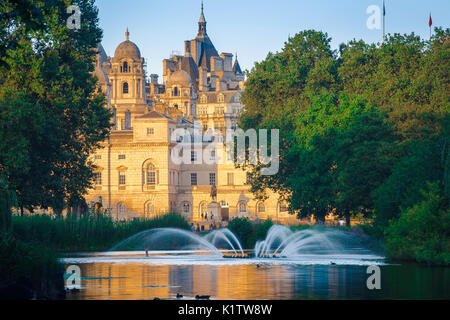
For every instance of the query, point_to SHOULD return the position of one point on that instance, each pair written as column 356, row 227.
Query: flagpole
column 430, row 23
column 384, row 14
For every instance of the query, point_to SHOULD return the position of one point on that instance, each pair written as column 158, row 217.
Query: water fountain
column 308, row 246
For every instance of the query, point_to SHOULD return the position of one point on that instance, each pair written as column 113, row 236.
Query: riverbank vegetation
column 91, row 233
column 364, row 129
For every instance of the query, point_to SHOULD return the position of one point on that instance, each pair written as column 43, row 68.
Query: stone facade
column 135, row 174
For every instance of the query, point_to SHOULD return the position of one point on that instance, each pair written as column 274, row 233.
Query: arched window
column 151, row 175
column 283, row 207
column 261, row 208
column 125, row 87
column 204, row 209
column 175, row 92
column 125, row 67
column 121, row 209
column 220, row 98
column 242, row 207
column 203, row 99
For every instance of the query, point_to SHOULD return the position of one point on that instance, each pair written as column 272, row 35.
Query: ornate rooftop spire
column 202, row 24
column 127, row 35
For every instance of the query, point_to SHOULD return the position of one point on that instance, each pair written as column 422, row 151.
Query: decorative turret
column 236, row 66
column 202, row 24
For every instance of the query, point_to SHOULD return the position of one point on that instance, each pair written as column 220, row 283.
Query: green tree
column 243, row 230
column 51, row 113
column 422, row 232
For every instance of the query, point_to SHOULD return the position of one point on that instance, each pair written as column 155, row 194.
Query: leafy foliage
column 362, row 129
column 422, row 232
column 51, row 115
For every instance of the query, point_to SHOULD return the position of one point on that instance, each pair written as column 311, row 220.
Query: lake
column 163, row 274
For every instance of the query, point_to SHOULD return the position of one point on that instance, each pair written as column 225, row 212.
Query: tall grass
column 87, row 233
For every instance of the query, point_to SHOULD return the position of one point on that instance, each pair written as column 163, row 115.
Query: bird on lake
column 179, row 296
column 197, row 297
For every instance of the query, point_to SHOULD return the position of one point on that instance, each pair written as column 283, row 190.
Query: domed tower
column 180, row 92
column 127, row 77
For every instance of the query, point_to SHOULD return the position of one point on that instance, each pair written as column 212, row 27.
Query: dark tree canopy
column 51, row 114
column 353, row 123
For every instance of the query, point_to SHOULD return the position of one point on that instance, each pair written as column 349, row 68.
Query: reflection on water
column 133, row 279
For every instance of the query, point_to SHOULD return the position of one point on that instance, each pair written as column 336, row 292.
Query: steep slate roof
column 207, row 51
column 188, row 65
column 237, row 67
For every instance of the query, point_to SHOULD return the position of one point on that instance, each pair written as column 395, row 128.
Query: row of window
column 120, row 157
column 186, row 207
column 221, row 99
column 212, row 179
column 151, row 175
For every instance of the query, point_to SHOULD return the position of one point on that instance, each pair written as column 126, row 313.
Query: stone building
column 201, row 92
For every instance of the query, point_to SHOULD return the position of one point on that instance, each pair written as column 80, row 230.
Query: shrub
column 422, row 232
column 243, row 230
column 30, row 265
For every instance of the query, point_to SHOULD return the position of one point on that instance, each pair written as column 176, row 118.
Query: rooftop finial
column 127, row 34
column 202, row 23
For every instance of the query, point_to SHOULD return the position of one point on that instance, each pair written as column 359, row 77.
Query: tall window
column 125, row 66
column 128, row 120
column 125, row 87
column 230, row 178
column 151, row 175
column 283, row 207
column 193, row 179
column 175, row 92
column 98, row 178
column 121, row 208
column 212, row 179
column 114, row 118
column 204, row 209
column 186, row 207
column 261, row 207
column 193, row 156
column 150, row 131
column 122, row 178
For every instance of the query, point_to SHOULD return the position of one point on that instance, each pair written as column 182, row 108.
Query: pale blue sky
column 252, row 28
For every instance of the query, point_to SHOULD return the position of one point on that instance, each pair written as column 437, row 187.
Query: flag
column 430, row 23
column 384, row 10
